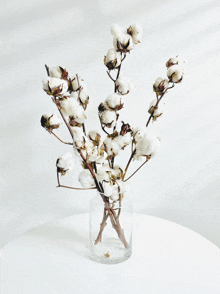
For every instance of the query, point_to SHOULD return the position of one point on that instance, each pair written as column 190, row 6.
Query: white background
column 181, row 183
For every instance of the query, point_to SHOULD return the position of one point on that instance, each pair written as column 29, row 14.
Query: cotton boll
column 119, row 140
column 77, row 83
column 55, row 86
column 50, row 121
column 175, row 74
column 146, row 146
column 70, row 107
column 112, row 147
column 123, row 43
column 95, row 137
column 103, row 173
column 79, row 138
column 86, row 180
column 126, row 140
column 136, row 33
column 124, row 85
column 108, row 118
column 95, row 155
column 107, row 188
column 112, row 59
column 175, row 60
column 118, row 189
column 137, row 134
column 160, row 85
column 115, row 195
column 116, row 30
column 58, row 72
column 64, row 163
column 83, row 96
column 123, row 186
column 117, row 172
column 114, row 102
column 123, row 141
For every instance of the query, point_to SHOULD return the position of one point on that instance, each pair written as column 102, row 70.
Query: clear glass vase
column 111, row 224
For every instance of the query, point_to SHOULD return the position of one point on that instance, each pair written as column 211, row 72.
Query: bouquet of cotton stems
column 98, row 151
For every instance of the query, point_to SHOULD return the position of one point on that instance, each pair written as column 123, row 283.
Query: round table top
column 54, row 258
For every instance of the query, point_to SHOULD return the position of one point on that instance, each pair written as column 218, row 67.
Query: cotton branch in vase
column 98, row 150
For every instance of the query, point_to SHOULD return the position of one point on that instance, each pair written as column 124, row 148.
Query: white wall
column 182, row 183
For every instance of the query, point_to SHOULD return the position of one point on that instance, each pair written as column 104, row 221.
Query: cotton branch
column 158, row 101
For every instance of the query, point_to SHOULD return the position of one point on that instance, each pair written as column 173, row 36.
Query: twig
column 158, row 100
column 58, row 179
column 110, row 76
column 136, row 170
column 78, row 86
column 116, row 225
column 62, row 186
column 84, row 129
column 129, row 161
column 51, row 132
column 119, row 68
column 102, row 226
column 47, row 69
column 67, row 124
column 102, row 126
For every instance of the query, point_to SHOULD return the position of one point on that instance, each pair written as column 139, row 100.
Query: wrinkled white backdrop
column 181, row 183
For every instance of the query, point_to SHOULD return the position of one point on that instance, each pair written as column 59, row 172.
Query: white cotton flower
column 111, row 146
column 160, row 85
column 123, row 43
column 94, row 135
column 117, row 171
column 116, row 30
column 135, row 31
column 158, row 110
column 77, row 82
column 88, row 145
column 146, row 145
column 55, row 86
column 112, row 59
column 86, row 180
column 70, row 107
column 123, row 186
column 115, row 194
column 94, row 154
column 107, row 188
column 114, row 102
column 118, row 189
column 56, row 72
column 83, row 96
column 175, row 60
column 50, row 121
column 108, row 118
column 103, row 173
column 74, row 95
column 65, row 163
column 124, row 85
column 175, row 73
column 123, row 141
column 137, row 133
column 79, row 138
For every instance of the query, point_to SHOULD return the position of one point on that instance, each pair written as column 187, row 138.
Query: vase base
column 111, row 252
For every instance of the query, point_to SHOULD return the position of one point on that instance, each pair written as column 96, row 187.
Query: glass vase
column 111, row 222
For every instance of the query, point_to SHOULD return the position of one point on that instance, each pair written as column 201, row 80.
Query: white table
column 54, row 258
